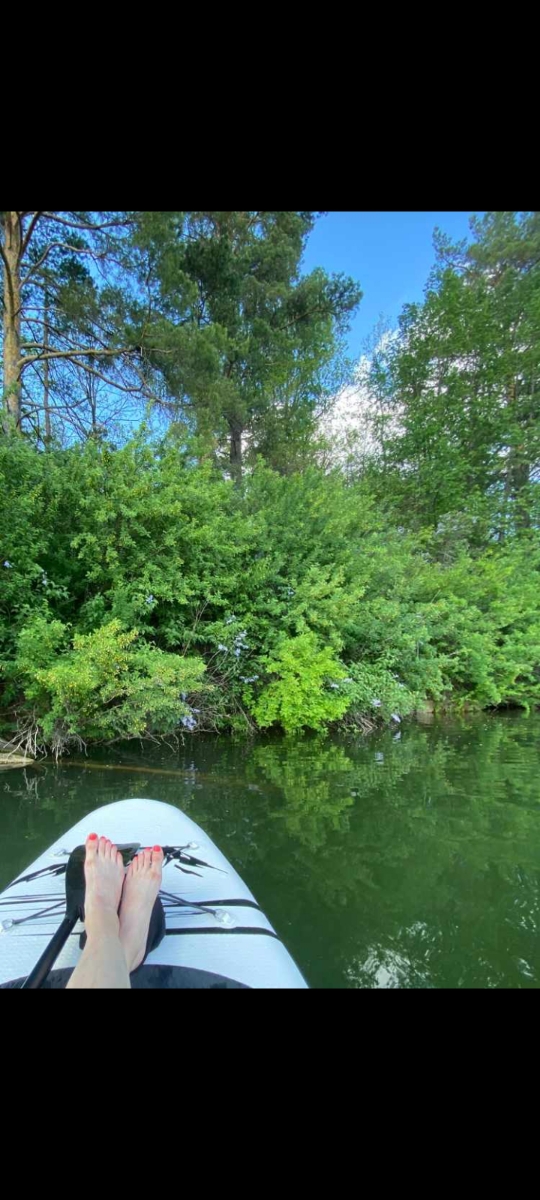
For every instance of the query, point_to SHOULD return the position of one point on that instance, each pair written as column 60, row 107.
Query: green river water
column 407, row 859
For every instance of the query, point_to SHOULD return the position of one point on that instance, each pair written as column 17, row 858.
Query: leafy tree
column 464, row 375
column 242, row 332
column 312, row 594
column 67, row 287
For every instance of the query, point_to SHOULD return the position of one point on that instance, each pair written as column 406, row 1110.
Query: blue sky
column 389, row 253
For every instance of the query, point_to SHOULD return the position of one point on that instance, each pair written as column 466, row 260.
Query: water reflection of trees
column 434, row 868
column 314, row 783
column 412, row 863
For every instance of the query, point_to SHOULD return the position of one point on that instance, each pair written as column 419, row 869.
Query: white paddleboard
column 216, row 934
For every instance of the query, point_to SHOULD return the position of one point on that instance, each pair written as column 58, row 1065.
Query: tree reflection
column 383, row 863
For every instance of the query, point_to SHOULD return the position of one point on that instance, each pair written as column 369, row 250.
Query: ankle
column 101, row 924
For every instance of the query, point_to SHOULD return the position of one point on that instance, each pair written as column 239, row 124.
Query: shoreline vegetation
column 205, row 560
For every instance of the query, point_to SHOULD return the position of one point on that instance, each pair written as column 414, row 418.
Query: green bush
column 377, row 693
column 279, row 588
column 302, row 693
column 108, row 684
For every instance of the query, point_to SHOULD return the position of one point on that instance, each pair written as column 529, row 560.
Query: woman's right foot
column 104, row 875
column 141, row 886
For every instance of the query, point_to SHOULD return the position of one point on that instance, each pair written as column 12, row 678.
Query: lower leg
column 103, row 962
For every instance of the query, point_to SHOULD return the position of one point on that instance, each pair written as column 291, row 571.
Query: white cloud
column 348, row 425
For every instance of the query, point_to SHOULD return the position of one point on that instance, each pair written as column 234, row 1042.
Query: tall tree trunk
column 92, row 399
column 46, row 388
column 12, row 323
column 236, row 450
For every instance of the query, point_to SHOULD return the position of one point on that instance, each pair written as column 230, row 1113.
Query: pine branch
column 25, row 362
column 58, row 246
column 88, row 226
column 26, row 240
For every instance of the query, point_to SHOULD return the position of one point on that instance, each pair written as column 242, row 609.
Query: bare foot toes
column 104, row 874
column 141, row 886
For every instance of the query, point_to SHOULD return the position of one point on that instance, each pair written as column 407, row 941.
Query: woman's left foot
column 141, row 886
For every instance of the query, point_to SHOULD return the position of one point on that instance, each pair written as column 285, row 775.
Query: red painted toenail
column 92, row 837
column 157, row 847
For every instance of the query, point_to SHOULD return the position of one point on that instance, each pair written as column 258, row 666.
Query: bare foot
column 142, row 884
column 104, row 874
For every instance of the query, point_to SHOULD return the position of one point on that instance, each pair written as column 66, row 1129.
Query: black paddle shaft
column 74, row 910
column 39, row 973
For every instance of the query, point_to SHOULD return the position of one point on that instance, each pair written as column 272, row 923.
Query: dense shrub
column 300, row 694
column 103, row 685
column 124, row 573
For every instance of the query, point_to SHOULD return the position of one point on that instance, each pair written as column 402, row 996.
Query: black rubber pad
column 150, row 977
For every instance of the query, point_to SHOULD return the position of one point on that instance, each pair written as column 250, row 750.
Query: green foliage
column 280, row 589
column 307, row 595
column 375, row 691
column 242, row 339
column 38, row 644
column 107, row 684
column 300, row 695
column 462, row 378
column 487, row 630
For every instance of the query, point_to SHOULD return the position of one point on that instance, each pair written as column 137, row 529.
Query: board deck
column 229, row 936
